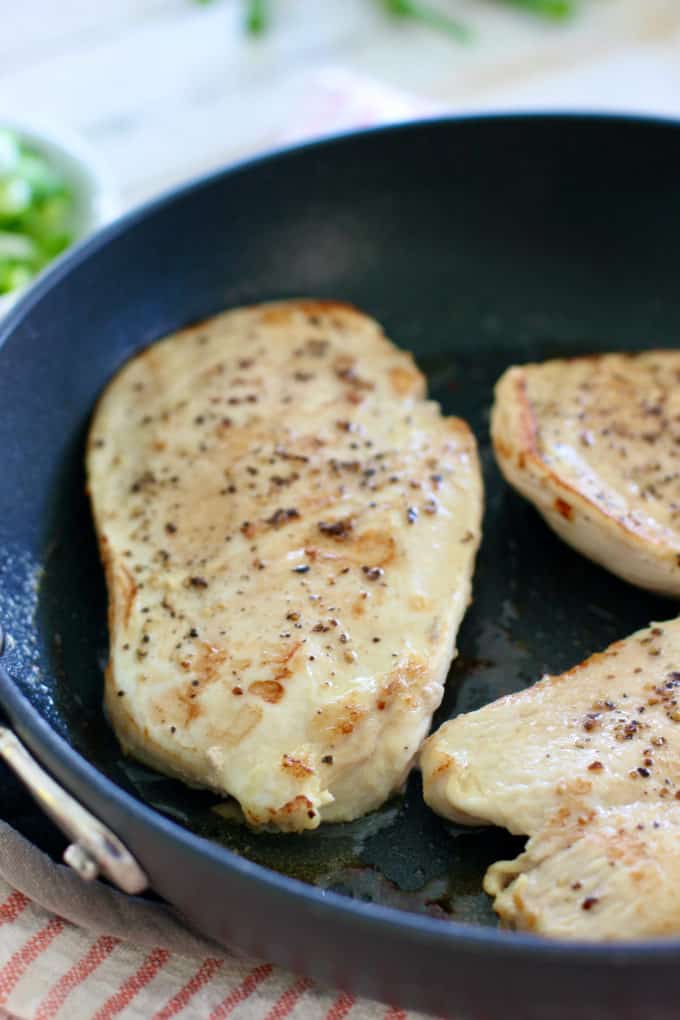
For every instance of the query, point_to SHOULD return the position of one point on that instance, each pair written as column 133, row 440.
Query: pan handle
column 95, row 849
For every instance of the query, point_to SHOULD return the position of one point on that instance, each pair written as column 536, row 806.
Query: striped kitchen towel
column 52, row 968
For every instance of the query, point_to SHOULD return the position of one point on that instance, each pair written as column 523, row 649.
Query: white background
column 165, row 89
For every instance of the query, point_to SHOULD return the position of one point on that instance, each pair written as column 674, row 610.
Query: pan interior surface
column 477, row 244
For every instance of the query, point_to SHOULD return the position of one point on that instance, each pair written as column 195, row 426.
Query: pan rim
column 40, row 736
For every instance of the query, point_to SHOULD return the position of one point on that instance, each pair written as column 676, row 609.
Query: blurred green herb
column 427, row 16
column 258, row 14
column 547, row 8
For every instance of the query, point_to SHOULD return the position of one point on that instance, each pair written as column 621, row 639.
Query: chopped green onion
column 9, row 152
column 15, row 198
column 14, row 275
column 17, row 247
column 36, row 212
column 48, row 217
column 42, row 178
column 55, row 244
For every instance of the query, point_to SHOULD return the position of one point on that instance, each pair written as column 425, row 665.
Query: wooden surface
column 165, row 89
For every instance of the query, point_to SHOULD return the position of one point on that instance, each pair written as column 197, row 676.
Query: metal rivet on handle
column 81, row 862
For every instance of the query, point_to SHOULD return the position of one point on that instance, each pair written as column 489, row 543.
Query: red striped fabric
column 289, row 999
column 19, row 962
column 341, row 1007
column 201, row 978
column 117, row 1002
column 242, row 991
column 176, row 991
column 15, row 903
column 59, row 992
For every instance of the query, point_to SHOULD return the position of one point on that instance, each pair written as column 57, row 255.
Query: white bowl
column 95, row 197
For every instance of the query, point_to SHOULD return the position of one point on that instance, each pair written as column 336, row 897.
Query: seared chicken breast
column 593, row 442
column 288, row 530
column 595, row 873
column 593, row 752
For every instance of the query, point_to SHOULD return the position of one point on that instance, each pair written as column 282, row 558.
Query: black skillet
column 478, row 243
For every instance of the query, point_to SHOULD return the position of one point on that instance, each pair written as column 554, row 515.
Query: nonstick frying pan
column 477, row 243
